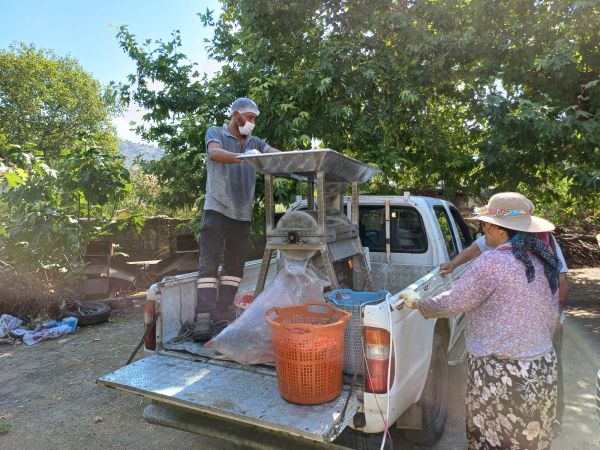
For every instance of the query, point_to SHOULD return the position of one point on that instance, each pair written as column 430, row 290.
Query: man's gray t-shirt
column 230, row 187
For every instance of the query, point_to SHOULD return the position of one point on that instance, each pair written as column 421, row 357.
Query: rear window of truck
column 447, row 233
column 407, row 233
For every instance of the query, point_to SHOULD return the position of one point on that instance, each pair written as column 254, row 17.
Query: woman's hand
column 410, row 298
column 446, row 268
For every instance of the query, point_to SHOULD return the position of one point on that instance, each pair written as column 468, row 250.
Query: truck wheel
column 434, row 401
column 356, row 440
column 88, row 313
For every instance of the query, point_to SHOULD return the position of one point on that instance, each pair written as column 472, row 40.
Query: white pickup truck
column 194, row 389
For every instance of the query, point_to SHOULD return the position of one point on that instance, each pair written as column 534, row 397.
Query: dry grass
column 32, row 295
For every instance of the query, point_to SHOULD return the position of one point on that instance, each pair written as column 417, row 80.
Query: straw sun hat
column 513, row 211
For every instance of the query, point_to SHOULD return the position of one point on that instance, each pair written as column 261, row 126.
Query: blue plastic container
column 70, row 321
column 353, row 301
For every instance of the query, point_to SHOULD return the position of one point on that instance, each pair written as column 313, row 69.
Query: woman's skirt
column 511, row 403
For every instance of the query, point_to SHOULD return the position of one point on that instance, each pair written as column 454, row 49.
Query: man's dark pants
column 220, row 235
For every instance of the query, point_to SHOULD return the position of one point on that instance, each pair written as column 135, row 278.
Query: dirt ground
column 49, row 399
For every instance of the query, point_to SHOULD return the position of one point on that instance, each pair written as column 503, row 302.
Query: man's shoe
column 228, row 314
column 220, row 320
column 201, row 328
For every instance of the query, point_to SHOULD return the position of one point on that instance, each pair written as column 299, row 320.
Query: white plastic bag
column 33, row 337
column 248, row 339
column 50, row 329
column 8, row 323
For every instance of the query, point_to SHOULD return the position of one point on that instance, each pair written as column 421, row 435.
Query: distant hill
column 131, row 150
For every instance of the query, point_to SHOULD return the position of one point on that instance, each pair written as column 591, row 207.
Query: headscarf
column 524, row 243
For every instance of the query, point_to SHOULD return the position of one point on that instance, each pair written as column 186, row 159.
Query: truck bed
column 246, row 395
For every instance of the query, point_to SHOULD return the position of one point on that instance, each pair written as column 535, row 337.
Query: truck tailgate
column 233, row 393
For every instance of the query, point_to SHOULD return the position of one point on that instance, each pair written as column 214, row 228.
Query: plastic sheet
column 248, row 340
column 8, row 323
column 50, row 330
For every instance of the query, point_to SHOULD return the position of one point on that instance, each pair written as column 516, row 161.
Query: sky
column 86, row 30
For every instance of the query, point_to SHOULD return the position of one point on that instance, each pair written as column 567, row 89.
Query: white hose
column 386, row 423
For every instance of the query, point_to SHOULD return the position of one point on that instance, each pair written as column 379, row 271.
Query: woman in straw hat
column 510, row 297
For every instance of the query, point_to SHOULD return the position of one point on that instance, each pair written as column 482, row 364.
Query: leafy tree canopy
column 48, row 100
column 61, row 173
column 478, row 95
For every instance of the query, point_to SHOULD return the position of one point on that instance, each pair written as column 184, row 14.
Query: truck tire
column 88, row 313
column 356, row 440
column 434, row 401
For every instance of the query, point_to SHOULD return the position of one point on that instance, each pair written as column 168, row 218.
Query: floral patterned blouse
column 505, row 315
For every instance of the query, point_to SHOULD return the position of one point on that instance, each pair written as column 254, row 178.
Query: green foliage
column 49, row 100
column 36, row 230
column 144, row 196
column 179, row 115
column 61, row 175
column 54, row 209
column 479, row 96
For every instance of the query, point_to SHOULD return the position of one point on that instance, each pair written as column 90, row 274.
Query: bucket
column 308, row 341
column 242, row 302
column 353, row 301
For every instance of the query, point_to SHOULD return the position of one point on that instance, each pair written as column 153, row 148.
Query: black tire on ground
column 434, row 401
column 88, row 313
column 359, row 441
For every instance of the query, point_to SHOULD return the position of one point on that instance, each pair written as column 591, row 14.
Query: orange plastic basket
column 308, row 341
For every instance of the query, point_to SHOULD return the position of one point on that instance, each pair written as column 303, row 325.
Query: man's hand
column 219, row 154
column 410, row 298
column 446, row 268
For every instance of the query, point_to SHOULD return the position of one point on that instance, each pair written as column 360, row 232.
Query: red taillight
column 150, row 325
column 378, row 360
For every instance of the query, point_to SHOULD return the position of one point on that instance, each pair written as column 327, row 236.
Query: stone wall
column 158, row 239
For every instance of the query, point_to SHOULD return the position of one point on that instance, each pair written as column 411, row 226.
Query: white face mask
column 246, row 130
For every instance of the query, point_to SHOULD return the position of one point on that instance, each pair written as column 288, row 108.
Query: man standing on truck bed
column 227, row 209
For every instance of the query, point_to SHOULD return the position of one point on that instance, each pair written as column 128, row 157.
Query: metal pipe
column 388, row 249
column 269, row 204
column 321, row 207
column 310, row 191
column 354, row 205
